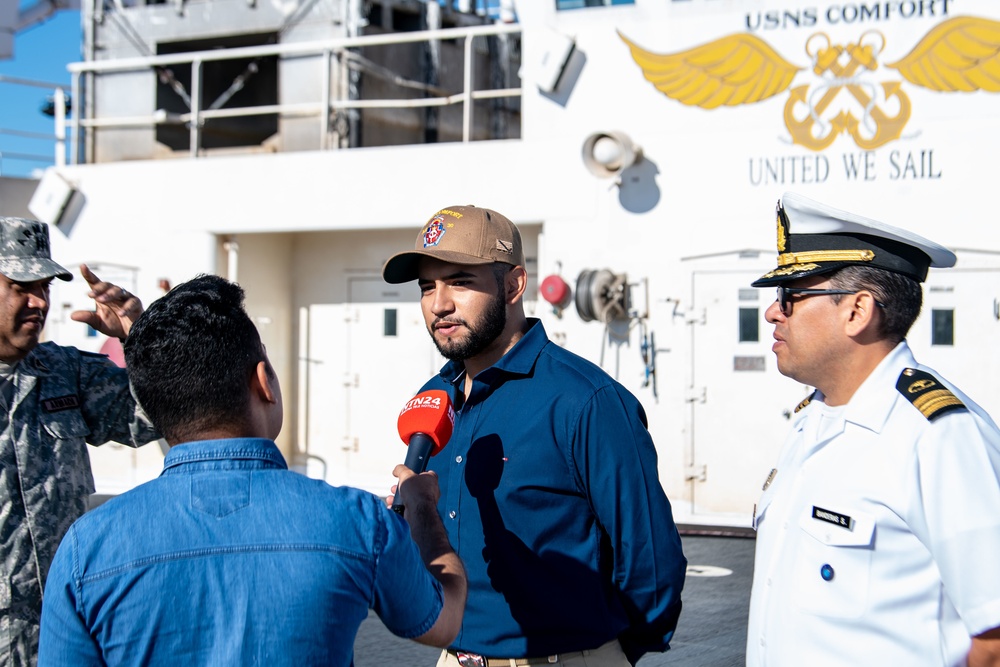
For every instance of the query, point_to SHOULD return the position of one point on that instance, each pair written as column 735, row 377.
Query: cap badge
column 434, row 232
column 781, row 233
column 505, row 247
column 35, row 235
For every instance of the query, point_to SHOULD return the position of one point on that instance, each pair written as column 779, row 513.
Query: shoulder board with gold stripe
column 927, row 393
column 806, row 401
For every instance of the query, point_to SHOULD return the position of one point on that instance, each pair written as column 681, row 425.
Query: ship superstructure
column 294, row 145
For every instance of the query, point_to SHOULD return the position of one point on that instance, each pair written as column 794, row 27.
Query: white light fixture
column 607, row 154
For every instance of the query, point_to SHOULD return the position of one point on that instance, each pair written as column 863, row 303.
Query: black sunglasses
column 785, row 294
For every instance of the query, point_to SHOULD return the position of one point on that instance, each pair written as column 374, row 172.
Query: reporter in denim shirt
column 229, row 558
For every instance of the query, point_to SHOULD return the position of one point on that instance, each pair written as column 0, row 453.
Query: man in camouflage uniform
column 53, row 400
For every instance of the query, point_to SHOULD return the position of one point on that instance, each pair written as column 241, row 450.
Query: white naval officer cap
column 814, row 238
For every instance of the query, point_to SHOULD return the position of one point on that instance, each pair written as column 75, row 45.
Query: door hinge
column 696, row 473
column 697, row 395
column 695, row 316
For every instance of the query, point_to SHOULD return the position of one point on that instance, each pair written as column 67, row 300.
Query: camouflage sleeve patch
column 927, row 393
column 806, row 401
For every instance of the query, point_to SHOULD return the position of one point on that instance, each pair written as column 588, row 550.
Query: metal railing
column 322, row 108
column 58, row 137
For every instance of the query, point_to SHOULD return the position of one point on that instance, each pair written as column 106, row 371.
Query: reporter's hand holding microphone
column 425, row 425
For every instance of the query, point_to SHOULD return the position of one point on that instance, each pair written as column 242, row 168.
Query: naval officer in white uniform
column 878, row 530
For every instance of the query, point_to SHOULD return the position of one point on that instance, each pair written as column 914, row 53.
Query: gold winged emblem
column 960, row 54
column 732, row 70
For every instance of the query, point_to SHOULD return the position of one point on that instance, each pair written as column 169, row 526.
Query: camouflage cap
column 24, row 251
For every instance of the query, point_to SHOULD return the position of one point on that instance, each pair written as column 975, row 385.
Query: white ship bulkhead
column 689, row 224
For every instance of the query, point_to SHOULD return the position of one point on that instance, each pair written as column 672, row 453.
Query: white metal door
column 367, row 358
column 740, row 403
column 323, row 411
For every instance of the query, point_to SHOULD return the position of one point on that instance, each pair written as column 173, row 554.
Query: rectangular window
column 749, row 325
column 389, row 322
column 580, row 4
column 942, row 327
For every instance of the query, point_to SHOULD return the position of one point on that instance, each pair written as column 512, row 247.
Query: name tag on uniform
column 61, row 403
column 836, row 518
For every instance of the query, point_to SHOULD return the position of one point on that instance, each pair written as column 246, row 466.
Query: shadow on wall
column 637, row 188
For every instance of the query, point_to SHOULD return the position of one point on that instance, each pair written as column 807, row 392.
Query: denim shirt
column 550, row 495
column 228, row 558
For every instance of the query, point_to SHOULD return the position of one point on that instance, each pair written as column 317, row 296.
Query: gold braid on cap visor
column 787, row 258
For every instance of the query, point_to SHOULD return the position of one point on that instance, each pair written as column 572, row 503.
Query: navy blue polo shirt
column 550, row 495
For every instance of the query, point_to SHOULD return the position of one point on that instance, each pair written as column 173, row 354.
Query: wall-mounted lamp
column 607, row 154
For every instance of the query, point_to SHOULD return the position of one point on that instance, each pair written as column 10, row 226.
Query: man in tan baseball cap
column 465, row 235
column 56, row 399
column 549, row 457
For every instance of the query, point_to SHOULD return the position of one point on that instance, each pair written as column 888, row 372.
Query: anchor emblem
column 961, row 54
column 875, row 127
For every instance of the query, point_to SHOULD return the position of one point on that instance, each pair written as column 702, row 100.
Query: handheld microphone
column 425, row 425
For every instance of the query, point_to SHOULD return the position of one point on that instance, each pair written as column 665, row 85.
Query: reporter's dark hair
column 901, row 296
column 190, row 357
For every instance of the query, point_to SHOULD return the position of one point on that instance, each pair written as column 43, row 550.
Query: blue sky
column 41, row 53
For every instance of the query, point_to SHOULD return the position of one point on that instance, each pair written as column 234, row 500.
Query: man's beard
column 481, row 334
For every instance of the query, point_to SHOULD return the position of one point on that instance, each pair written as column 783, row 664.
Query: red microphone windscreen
column 430, row 413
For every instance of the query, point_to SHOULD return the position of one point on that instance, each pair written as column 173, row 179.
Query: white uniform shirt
column 878, row 538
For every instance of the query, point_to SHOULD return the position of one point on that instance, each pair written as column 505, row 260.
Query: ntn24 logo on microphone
column 428, row 399
column 434, row 399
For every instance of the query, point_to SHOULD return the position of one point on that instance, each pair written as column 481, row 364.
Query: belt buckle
column 470, row 659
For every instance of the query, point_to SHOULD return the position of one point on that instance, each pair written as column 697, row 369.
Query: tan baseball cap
column 24, row 251
column 459, row 235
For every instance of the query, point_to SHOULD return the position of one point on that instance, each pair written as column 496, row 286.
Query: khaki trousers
column 609, row 655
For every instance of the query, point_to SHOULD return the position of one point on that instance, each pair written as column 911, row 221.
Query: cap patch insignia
column 927, row 393
column 505, row 247
column 434, row 232
column 34, row 235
